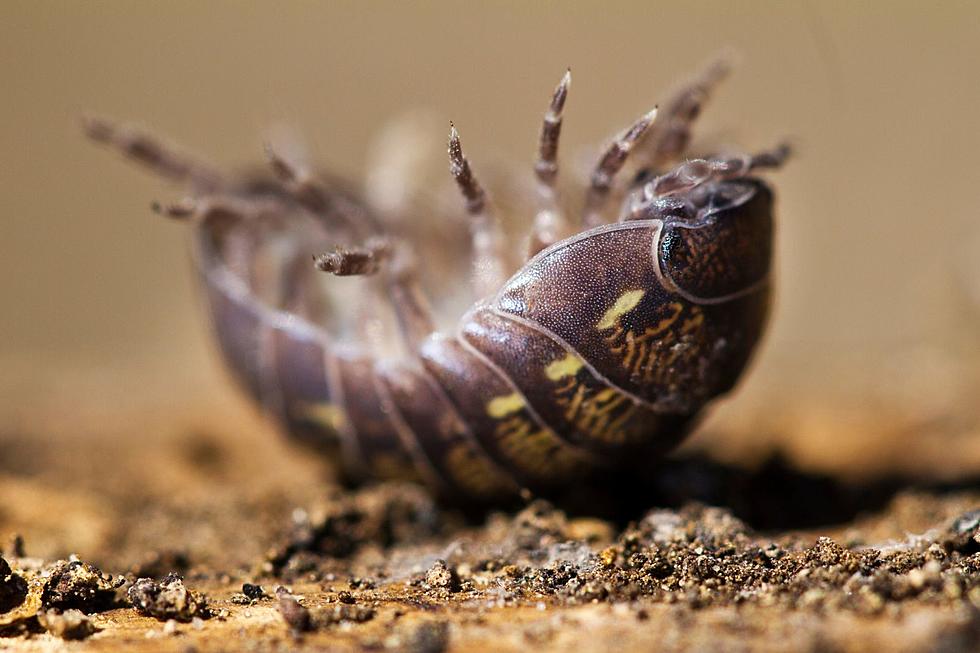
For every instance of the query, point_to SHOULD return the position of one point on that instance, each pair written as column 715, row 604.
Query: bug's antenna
column 549, row 222
column 161, row 158
column 488, row 267
column 610, row 163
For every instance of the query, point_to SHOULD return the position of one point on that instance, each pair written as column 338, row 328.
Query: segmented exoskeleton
column 597, row 354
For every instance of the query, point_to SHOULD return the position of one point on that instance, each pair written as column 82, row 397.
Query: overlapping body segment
column 669, row 351
column 595, row 357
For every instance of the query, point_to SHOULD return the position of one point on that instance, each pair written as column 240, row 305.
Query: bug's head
column 717, row 239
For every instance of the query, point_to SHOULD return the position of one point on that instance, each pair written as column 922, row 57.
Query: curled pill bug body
column 597, row 352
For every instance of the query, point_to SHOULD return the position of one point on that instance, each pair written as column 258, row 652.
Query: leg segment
column 488, row 263
column 354, row 261
column 412, row 309
column 401, row 284
column 234, row 225
column 669, row 138
column 609, row 164
column 698, row 171
column 692, row 174
column 336, row 211
column 549, row 222
column 217, row 208
column 152, row 152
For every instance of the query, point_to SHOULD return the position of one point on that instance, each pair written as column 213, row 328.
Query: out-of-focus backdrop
column 872, row 359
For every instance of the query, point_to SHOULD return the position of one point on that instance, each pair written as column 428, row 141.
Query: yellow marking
column 324, row 413
column 693, row 323
column 626, row 303
column 676, row 309
column 567, row 366
column 575, row 403
column 473, row 473
column 388, row 465
column 538, row 452
column 500, row 407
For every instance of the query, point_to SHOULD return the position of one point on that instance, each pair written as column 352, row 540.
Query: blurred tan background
column 872, row 360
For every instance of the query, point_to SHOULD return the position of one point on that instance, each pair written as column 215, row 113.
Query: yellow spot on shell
column 626, row 303
column 325, row 413
column 504, row 405
column 569, row 365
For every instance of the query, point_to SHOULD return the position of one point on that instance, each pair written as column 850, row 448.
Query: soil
column 232, row 540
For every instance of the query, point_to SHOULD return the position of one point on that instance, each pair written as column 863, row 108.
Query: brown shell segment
column 499, row 417
column 442, row 435
column 647, row 340
column 384, row 454
column 238, row 327
column 567, row 395
column 728, row 254
column 587, row 285
column 307, row 404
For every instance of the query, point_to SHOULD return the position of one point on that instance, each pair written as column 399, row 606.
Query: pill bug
column 594, row 357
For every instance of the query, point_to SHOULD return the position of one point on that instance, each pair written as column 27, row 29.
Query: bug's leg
column 549, row 222
column 488, row 256
column 301, row 183
column 354, row 261
column 692, row 174
column 668, row 139
column 398, row 163
column 160, row 157
column 412, row 308
column 610, row 163
column 400, row 282
column 235, row 222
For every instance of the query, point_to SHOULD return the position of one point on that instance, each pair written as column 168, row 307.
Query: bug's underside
column 627, row 315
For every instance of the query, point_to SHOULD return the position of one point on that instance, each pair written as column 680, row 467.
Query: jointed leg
column 401, row 284
column 609, row 164
column 669, row 138
column 402, row 148
column 549, row 222
column 354, row 261
column 218, row 207
column 411, row 306
column 158, row 156
column 691, row 174
column 311, row 193
column 234, row 223
column 488, row 256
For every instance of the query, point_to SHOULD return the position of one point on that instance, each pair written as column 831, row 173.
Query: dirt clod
column 380, row 515
column 76, row 585
column 13, row 588
column 254, row 592
column 167, row 599
column 441, row 577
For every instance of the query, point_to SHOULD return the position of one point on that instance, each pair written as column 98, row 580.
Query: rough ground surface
column 201, row 540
